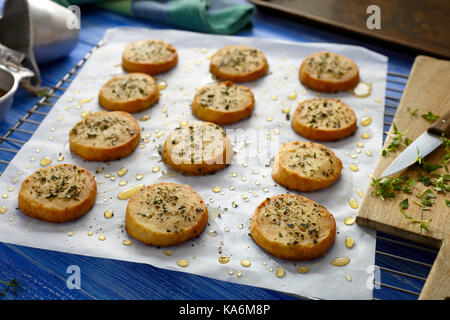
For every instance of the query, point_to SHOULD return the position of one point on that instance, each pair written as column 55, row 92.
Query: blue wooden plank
column 43, row 271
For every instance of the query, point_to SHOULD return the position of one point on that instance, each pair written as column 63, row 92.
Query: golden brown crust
column 225, row 103
column 149, row 56
column 60, row 193
column 132, row 92
column 328, row 72
column 324, row 119
column 292, row 227
column 166, row 214
column 306, row 166
column 199, row 148
column 238, row 64
column 105, row 136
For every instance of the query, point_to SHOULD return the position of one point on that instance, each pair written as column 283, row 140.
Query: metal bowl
column 8, row 83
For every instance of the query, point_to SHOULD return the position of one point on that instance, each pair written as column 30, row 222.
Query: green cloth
column 209, row 16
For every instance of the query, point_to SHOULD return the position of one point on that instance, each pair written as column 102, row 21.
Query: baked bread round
column 224, row 103
column 293, row 227
column 166, row 214
column 105, row 136
column 238, row 63
column 197, row 149
column 149, row 56
column 60, row 193
column 132, row 92
column 324, row 119
column 306, row 166
column 328, row 72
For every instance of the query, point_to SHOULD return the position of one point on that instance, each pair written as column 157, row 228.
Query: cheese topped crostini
column 198, row 148
column 324, row 119
column 132, row 92
column 238, row 63
column 149, row 56
column 306, row 166
column 105, row 136
column 166, row 214
column 60, row 193
column 293, row 227
column 328, row 72
column 225, row 103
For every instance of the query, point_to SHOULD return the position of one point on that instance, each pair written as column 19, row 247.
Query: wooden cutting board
column 427, row 90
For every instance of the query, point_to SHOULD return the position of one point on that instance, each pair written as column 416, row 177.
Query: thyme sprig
column 387, row 187
column 397, row 139
column 14, row 284
column 430, row 117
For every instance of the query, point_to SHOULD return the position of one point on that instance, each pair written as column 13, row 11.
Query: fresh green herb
column 10, row 284
column 447, row 202
column 430, row 117
column 440, row 184
column 397, row 139
column 404, row 204
column 387, row 187
column 423, row 224
column 427, row 199
column 413, row 113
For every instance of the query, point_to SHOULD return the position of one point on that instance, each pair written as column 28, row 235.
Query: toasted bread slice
column 238, row 64
column 166, row 214
column 197, row 149
column 328, row 72
column 324, row 119
column 225, row 103
column 306, row 166
column 60, row 193
column 149, row 56
column 292, row 227
column 132, row 92
column 105, row 136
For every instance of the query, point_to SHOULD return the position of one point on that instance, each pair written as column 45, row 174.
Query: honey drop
column 365, row 121
column 162, row 85
column 108, row 213
column 128, row 193
column 224, row 259
column 280, row 272
column 353, row 203
column 127, row 242
column 340, row 261
column 182, row 263
column 292, row 95
column 245, row 263
column 302, row 269
column 121, row 172
column 349, row 221
column 349, row 242
column 46, row 161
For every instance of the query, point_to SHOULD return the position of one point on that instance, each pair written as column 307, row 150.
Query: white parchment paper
column 246, row 182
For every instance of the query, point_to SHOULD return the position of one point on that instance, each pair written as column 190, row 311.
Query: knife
column 422, row 146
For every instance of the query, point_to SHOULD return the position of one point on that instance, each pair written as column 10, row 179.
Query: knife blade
column 422, row 146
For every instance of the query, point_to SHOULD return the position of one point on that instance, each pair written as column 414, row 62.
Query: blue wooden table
column 42, row 274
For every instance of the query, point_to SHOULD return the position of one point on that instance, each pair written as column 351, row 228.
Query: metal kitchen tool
column 422, row 146
column 40, row 29
column 11, row 73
